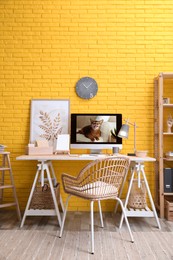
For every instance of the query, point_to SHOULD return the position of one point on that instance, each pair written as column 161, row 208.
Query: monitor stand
column 95, row 151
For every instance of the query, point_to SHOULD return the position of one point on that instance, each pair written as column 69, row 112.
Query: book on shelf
column 2, row 147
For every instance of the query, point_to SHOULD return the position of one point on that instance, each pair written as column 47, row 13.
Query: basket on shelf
column 42, row 197
column 137, row 198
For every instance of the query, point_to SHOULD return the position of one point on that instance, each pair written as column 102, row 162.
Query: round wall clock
column 86, row 88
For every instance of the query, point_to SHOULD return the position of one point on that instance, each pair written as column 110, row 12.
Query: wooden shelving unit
column 160, row 135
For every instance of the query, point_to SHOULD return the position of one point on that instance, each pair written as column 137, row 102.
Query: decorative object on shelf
column 141, row 153
column 86, row 88
column 169, row 123
column 169, row 155
column 166, row 100
column 124, row 133
column 49, row 118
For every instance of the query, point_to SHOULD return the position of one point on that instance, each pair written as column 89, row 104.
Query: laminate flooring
column 38, row 239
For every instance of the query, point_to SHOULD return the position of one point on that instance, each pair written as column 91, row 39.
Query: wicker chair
column 99, row 180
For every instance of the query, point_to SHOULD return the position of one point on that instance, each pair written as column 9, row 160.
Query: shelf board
column 167, row 105
column 166, row 75
column 168, row 159
column 166, row 133
column 168, row 194
column 130, row 212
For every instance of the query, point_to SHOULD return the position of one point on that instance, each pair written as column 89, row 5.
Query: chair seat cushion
column 95, row 190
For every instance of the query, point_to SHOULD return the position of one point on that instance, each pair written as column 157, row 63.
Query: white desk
column 45, row 164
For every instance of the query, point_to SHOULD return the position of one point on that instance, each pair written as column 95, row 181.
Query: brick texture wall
column 47, row 45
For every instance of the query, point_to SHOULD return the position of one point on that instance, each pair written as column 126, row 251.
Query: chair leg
column 126, row 220
column 64, row 216
column 100, row 212
column 92, row 227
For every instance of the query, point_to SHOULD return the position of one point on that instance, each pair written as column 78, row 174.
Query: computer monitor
column 95, row 131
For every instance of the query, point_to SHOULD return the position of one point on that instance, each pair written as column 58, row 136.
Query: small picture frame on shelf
column 166, row 100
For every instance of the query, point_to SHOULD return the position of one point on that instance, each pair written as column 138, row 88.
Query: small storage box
column 169, row 210
column 39, row 150
column 42, row 197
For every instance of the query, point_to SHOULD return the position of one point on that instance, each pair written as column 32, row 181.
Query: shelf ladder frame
column 6, row 166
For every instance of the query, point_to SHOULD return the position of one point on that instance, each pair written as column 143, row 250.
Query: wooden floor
column 38, row 238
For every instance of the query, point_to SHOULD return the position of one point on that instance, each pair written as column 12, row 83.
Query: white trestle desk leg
column 138, row 170
column 30, row 197
column 53, row 174
column 42, row 174
column 150, row 197
column 42, row 166
column 127, row 196
column 53, row 194
column 120, row 194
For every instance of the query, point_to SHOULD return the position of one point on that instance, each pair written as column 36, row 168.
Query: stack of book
column 2, row 147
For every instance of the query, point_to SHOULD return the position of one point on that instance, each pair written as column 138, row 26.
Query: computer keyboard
column 85, row 155
column 93, row 155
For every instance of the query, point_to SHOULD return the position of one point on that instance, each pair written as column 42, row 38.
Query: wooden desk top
column 79, row 157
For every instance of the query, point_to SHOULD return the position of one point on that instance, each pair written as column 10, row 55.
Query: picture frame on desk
column 63, row 144
column 48, row 119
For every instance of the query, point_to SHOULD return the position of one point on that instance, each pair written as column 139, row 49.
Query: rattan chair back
column 100, row 179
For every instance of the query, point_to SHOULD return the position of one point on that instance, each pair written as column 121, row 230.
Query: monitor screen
column 95, row 131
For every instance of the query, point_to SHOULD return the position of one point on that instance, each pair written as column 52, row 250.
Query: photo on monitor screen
column 96, row 128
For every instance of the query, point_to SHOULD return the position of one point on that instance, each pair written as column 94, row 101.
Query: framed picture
column 49, row 118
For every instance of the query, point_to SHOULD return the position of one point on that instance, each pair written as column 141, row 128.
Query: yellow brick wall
column 47, row 45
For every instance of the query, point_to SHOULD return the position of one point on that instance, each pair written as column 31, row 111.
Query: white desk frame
column 137, row 166
column 44, row 167
column 45, row 164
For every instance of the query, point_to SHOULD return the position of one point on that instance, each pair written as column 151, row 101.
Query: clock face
column 86, row 88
